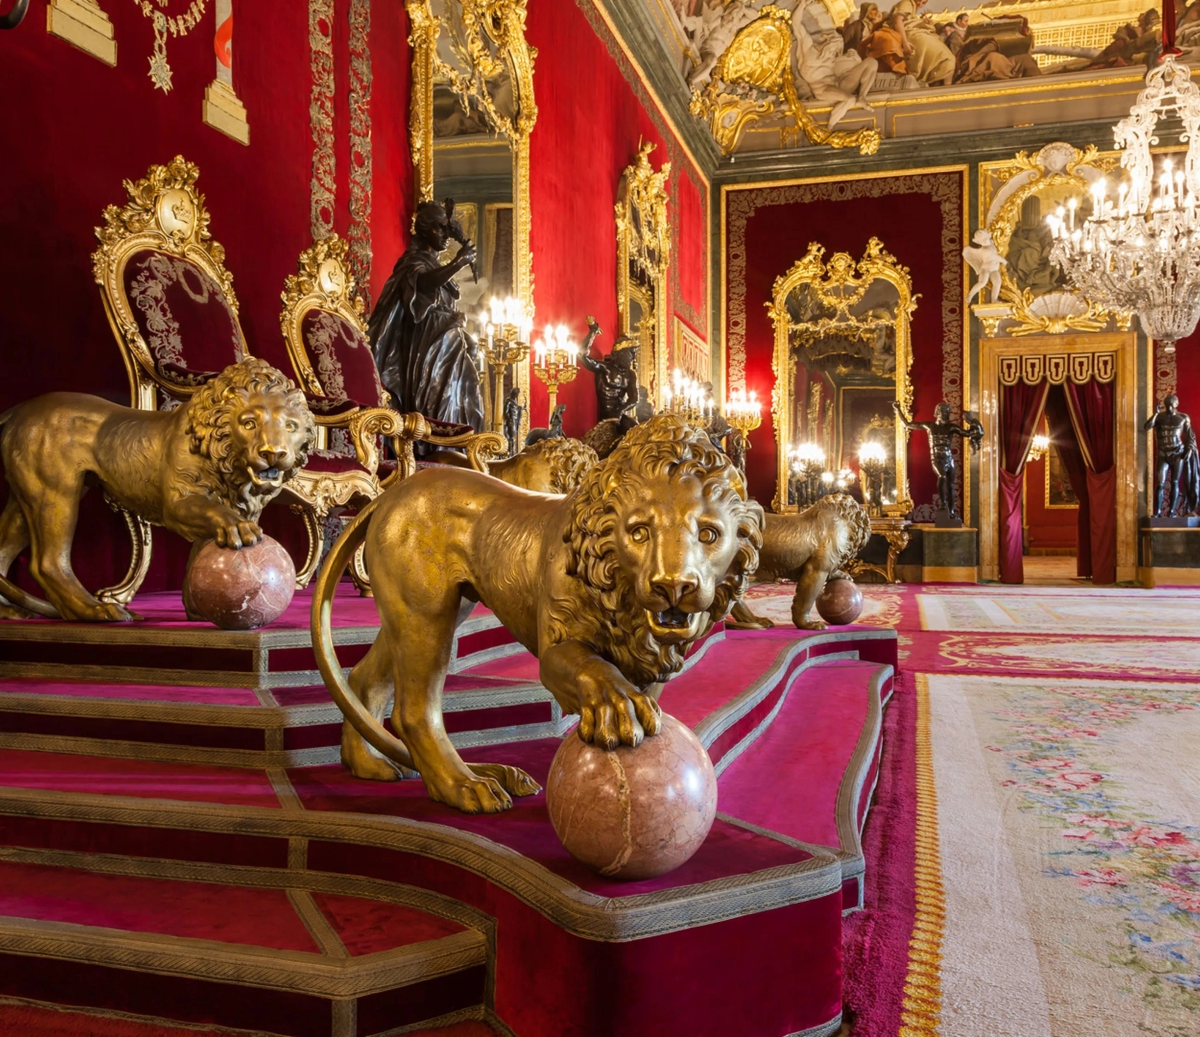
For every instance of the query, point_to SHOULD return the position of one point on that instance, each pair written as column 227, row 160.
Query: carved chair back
column 166, row 291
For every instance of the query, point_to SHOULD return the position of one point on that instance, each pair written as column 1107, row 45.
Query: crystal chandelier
column 1140, row 251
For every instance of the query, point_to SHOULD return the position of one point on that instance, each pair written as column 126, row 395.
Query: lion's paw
column 811, row 624
column 102, row 612
column 513, row 780
column 472, row 796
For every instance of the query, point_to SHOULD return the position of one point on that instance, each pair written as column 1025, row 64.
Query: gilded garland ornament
column 179, row 25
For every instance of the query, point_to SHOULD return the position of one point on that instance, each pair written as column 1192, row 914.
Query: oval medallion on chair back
column 183, row 317
column 340, row 357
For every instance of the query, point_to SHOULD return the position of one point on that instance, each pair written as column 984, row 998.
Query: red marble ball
column 243, row 588
column 841, row 602
column 633, row 813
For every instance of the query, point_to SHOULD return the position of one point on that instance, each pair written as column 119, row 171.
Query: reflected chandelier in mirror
column 843, row 354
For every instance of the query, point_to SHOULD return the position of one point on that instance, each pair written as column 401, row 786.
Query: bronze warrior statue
column 616, row 374
column 512, row 418
column 555, row 431
column 941, row 432
column 426, row 359
column 1175, row 441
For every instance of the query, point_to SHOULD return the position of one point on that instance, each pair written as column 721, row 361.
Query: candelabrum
column 744, row 413
column 872, row 462
column 808, row 466
column 690, row 399
column 1038, row 447
column 556, row 359
column 504, row 340
column 1140, row 252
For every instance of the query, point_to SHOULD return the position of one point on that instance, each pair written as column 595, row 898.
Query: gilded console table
column 895, row 532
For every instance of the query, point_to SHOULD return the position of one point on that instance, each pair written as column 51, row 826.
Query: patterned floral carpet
column 1052, row 758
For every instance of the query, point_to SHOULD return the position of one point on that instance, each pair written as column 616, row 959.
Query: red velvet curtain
column 1062, row 433
column 1021, row 408
column 1093, row 415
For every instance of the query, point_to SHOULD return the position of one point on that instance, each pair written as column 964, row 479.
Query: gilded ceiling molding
column 323, row 187
column 359, row 231
column 946, row 187
column 676, row 155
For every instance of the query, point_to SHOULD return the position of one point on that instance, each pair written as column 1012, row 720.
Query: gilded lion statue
column 205, row 471
column 808, row 548
column 606, row 586
column 548, row 466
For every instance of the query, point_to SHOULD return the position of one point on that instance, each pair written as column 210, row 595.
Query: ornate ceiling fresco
column 763, row 75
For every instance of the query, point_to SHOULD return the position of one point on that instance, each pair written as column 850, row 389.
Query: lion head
column 664, row 540
column 252, row 424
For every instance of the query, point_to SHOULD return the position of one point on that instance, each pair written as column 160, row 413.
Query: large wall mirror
column 643, row 257
column 842, row 358
column 472, row 112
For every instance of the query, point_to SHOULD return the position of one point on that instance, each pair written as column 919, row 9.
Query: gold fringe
column 922, row 1010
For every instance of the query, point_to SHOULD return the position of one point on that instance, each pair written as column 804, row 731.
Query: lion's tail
column 323, row 647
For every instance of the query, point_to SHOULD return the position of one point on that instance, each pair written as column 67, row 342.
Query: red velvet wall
column 919, row 219
column 74, row 128
column 1048, row 527
column 593, row 112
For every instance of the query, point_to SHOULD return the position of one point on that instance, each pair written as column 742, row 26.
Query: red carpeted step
column 810, row 773
column 287, row 951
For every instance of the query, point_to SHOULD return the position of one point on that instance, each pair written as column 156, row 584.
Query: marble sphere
column 633, row 813
column 841, row 602
column 243, row 588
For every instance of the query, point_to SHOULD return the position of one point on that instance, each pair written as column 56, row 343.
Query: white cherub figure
column 986, row 262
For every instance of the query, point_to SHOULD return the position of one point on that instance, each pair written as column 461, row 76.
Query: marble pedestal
column 1169, row 556
column 949, row 555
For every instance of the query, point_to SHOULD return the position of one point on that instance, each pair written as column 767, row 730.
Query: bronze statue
column 808, row 548
column 205, row 471
column 549, row 466
column 643, row 409
column 555, row 429
column 426, row 359
column 607, row 587
column 615, row 374
column 513, row 412
column 941, row 432
column 1175, row 440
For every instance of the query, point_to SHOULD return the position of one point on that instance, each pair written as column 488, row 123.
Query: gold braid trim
column 922, row 1010
column 359, row 231
column 323, row 187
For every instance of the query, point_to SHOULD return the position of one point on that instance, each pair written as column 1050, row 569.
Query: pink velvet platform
column 172, row 838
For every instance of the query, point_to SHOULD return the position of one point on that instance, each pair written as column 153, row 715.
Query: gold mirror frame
column 840, row 284
column 1004, row 188
column 644, row 241
column 500, row 23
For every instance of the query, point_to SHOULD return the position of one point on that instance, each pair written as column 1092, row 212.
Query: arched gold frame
column 502, row 22
column 644, row 240
column 840, row 284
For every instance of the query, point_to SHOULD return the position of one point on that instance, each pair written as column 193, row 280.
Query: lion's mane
column 568, row 460
column 210, row 412
column 659, row 451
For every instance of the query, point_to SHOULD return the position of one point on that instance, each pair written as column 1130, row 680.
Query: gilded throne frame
column 839, row 285
column 486, row 25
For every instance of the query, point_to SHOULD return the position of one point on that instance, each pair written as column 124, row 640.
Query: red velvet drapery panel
column 1062, row 433
column 1093, row 414
column 1021, row 408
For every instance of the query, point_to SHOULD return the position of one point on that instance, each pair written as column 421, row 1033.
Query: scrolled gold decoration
column 644, row 247
column 323, row 185
column 760, row 57
column 1054, row 167
column 838, row 286
column 361, row 171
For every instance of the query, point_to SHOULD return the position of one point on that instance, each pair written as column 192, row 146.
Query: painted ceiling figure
column 833, row 74
column 712, row 31
column 928, row 58
column 616, row 374
column 425, row 357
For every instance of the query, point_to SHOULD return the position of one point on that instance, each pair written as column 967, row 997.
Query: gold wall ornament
column 1015, row 196
column 323, row 185
column 570, row 565
column 821, row 302
column 361, row 173
column 83, row 24
column 760, row 57
column 643, row 259
column 177, row 25
column 204, row 470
